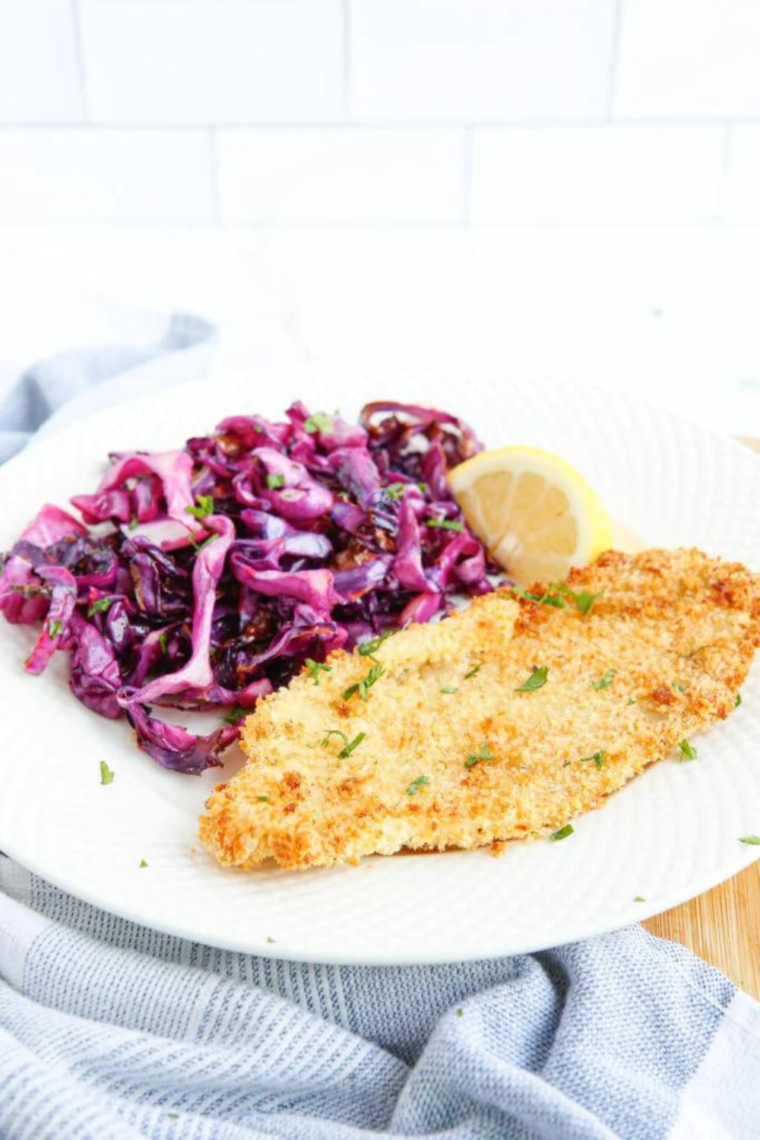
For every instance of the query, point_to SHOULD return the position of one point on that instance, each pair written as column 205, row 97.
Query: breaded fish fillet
column 503, row 721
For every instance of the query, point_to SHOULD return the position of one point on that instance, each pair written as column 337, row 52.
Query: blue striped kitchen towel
column 111, row 1032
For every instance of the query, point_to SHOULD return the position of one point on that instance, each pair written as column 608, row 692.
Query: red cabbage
column 206, row 577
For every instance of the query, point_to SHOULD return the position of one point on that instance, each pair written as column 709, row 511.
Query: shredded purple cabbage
column 206, row 577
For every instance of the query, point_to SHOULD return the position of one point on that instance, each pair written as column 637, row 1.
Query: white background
column 572, row 185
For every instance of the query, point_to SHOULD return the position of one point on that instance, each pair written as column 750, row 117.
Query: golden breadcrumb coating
column 453, row 754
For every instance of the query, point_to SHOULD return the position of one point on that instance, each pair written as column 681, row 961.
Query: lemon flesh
column 536, row 514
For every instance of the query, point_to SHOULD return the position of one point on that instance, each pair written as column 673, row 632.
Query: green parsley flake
column 597, row 758
column 483, row 753
column 605, row 681
column 449, row 690
column 414, row 787
column 354, row 744
column 543, row 599
column 368, row 648
column 318, row 422
column 752, row 840
column 680, row 688
column 738, row 700
column 106, row 775
column 263, row 799
column 275, row 481
column 334, row 732
column 460, row 1013
column 143, row 864
column 563, row 832
column 584, row 600
column 54, row 628
column 473, row 672
column 98, row 606
column 162, row 640
column 396, row 490
column 134, row 523
column 537, row 680
column 348, row 746
column 631, row 701
column 639, row 898
column 234, row 715
column 204, row 508
column 271, row 941
column 315, row 668
column 689, row 751
column 445, row 524
column 362, row 687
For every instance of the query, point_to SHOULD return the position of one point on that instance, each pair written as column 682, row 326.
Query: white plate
column 671, row 834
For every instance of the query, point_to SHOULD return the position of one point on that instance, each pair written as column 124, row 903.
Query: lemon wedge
column 536, row 514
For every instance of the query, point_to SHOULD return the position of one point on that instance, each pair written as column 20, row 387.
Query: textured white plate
column 671, row 834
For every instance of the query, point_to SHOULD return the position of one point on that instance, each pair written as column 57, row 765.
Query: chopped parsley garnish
column 689, row 751
column 204, row 507
column 639, row 898
column 162, row 637
column 351, row 746
column 537, row 680
column 54, row 628
column 134, row 523
column 605, row 681
column 597, row 758
column 449, row 690
column 483, row 753
column 738, row 700
column 362, row 687
column 199, row 546
column 460, row 1013
column 546, row 599
column 348, row 745
column 98, row 606
column 563, row 832
column 396, row 490
column 315, row 668
column 106, row 775
column 414, row 787
column 368, row 648
column 445, row 524
column 271, row 940
column 318, row 422
column 631, row 701
column 334, row 732
column 752, row 840
column 143, row 864
column 680, row 688
column 583, row 599
column 234, row 715
column 263, row 799
column 424, row 488
column 473, row 672
column 275, row 481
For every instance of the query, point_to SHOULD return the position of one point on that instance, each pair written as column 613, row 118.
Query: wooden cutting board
column 723, row 925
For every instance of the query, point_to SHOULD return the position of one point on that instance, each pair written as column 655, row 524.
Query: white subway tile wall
column 380, row 112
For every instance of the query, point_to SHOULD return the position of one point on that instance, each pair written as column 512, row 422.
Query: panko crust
column 677, row 628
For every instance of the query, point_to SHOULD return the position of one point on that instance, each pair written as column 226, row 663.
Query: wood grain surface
column 723, row 925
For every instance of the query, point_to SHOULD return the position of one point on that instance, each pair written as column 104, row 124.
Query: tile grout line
column 213, row 158
column 467, row 147
column 569, row 125
column 725, row 169
column 617, row 20
column 347, row 109
column 76, row 27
